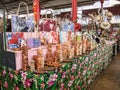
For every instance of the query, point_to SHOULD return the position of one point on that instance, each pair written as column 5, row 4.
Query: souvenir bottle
column 32, row 65
column 49, row 55
column 40, row 55
column 38, row 62
column 24, row 57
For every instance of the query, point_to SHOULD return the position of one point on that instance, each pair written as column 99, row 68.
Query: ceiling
column 12, row 5
column 114, row 9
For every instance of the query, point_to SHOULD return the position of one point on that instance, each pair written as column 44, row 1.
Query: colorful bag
column 33, row 42
column 22, row 25
column 47, row 24
column 66, row 24
column 43, row 37
column 14, row 39
column 63, row 36
column 53, row 37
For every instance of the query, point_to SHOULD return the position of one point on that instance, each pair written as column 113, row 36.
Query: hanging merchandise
column 109, row 15
column 106, row 20
column 34, row 40
column 43, row 37
column 96, row 18
column 52, row 37
column 63, row 36
column 47, row 24
column 103, row 18
column 67, row 24
column 105, row 25
column 14, row 39
column 20, row 24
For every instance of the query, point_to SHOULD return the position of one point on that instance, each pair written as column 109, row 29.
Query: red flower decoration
column 5, row 84
column 16, row 88
column 27, row 83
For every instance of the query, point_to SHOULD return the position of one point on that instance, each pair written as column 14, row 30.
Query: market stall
column 44, row 53
column 77, row 74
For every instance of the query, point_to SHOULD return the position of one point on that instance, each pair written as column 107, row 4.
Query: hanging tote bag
column 34, row 40
column 63, row 36
column 20, row 24
column 47, row 24
column 43, row 37
column 67, row 24
column 14, row 39
column 53, row 37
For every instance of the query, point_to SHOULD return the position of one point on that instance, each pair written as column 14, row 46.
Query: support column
column 74, row 12
column 36, row 10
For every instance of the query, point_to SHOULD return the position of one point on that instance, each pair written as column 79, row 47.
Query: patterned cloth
column 77, row 75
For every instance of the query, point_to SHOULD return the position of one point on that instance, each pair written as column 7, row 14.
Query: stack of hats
column 103, row 18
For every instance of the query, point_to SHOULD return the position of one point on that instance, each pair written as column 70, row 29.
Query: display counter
column 75, row 75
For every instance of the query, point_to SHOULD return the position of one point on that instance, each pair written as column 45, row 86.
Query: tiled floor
column 109, row 79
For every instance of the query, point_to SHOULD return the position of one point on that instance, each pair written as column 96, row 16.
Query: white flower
column 70, row 83
column 42, row 78
column 54, row 77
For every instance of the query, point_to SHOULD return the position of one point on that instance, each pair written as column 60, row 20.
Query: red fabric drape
column 36, row 10
column 74, row 12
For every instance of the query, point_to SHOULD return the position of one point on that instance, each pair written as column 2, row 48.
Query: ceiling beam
column 12, row 6
column 63, row 6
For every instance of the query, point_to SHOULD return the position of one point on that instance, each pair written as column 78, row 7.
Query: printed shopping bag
column 47, row 24
column 43, row 37
column 33, row 41
column 53, row 37
column 14, row 40
column 67, row 26
column 63, row 36
column 20, row 24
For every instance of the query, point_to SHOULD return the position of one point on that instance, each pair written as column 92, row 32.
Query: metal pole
column 4, row 27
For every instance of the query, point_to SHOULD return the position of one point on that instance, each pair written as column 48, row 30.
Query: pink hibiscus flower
column 11, row 76
column 50, row 83
column 63, row 74
column 27, row 83
column 5, row 84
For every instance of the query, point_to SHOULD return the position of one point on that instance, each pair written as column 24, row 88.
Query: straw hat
column 98, row 18
column 105, row 25
column 109, row 15
column 91, row 16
